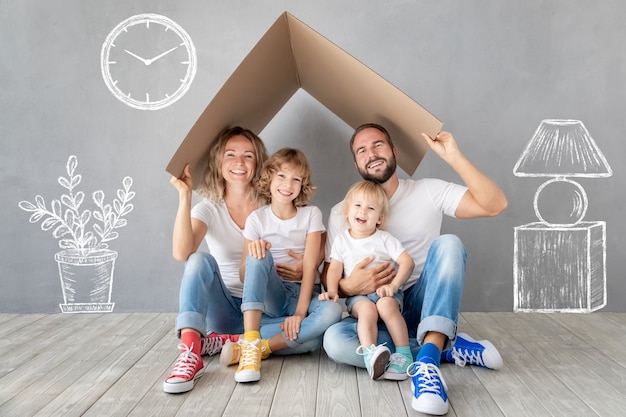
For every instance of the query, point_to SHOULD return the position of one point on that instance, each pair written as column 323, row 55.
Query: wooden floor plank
column 126, row 344
column 258, row 395
column 338, row 391
column 555, row 348
column 115, row 364
column 600, row 330
column 122, row 397
column 51, row 367
column 296, row 392
column 519, row 387
column 378, row 398
column 15, row 322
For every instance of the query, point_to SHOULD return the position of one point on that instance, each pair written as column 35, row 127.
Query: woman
column 211, row 291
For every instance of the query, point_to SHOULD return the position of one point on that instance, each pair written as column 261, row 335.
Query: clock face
column 148, row 61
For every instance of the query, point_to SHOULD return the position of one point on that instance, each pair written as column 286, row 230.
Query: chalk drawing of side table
column 560, row 268
column 560, row 261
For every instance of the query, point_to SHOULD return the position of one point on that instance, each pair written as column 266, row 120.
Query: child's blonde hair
column 297, row 160
column 370, row 190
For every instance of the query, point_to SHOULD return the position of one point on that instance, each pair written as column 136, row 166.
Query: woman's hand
column 291, row 327
column 183, row 184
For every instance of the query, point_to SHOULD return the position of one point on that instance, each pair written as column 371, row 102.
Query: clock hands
column 149, row 61
column 145, row 61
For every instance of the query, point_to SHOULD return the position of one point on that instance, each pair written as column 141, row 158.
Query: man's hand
column 443, row 144
column 365, row 280
column 291, row 327
column 291, row 272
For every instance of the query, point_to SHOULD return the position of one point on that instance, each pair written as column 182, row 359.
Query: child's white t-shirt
column 350, row 251
column 284, row 234
column 415, row 216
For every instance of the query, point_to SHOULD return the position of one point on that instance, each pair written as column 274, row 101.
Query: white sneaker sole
column 180, row 387
column 247, row 376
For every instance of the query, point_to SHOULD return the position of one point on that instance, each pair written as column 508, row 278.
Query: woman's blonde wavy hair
column 213, row 185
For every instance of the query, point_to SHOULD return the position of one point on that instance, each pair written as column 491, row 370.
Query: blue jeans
column 373, row 297
column 205, row 304
column 264, row 290
column 432, row 304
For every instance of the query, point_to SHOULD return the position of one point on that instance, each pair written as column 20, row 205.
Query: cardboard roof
column 290, row 56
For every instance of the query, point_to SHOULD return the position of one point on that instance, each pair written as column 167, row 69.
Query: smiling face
column 286, row 184
column 364, row 214
column 374, row 157
column 238, row 161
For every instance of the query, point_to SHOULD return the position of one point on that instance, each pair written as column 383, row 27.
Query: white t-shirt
column 225, row 241
column 416, row 212
column 284, row 234
column 350, row 251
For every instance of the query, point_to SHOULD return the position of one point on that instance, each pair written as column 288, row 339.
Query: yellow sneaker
column 249, row 369
column 231, row 351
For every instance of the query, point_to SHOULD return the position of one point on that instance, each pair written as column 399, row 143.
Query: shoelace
column 397, row 359
column 186, row 362
column 368, row 350
column 429, row 377
column 462, row 357
column 248, row 356
column 212, row 345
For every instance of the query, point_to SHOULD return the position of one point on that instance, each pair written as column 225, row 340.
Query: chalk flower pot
column 86, row 280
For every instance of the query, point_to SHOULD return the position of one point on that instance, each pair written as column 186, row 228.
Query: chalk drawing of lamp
column 560, row 261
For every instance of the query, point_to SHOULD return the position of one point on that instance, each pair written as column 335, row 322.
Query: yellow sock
column 265, row 348
column 252, row 335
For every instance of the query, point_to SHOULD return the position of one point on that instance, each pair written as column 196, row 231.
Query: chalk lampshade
column 561, row 149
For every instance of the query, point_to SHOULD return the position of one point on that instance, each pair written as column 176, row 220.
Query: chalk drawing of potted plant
column 86, row 263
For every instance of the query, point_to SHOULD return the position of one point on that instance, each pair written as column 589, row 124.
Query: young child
column 365, row 207
column 285, row 223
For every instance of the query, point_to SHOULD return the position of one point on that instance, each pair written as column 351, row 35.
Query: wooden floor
column 114, row 364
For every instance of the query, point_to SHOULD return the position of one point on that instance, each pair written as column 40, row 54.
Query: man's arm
column 363, row 280
column 483, row 197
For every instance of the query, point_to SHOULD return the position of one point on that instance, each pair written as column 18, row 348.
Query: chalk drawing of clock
column 148, row 61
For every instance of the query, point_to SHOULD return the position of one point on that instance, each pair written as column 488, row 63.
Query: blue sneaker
column 429, row 389
column 467, row 351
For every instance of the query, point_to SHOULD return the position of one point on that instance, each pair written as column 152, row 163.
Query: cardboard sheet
column 290, row 56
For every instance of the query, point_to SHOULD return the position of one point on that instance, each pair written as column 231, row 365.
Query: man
column 432, row 295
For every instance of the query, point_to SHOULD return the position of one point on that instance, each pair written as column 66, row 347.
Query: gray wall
column 491, row 70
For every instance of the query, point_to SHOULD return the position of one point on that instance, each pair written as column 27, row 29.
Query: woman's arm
column 242, row 263
column 188, row 233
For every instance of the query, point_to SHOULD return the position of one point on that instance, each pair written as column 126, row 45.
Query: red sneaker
column 187, row 370
column 214, row 342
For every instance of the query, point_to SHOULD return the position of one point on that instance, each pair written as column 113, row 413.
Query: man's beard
column 381, row 177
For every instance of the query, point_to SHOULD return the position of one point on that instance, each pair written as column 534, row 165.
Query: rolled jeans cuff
column 253, row 305
column 437, row 324
column 191, row 320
